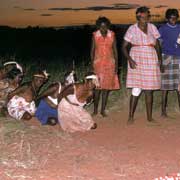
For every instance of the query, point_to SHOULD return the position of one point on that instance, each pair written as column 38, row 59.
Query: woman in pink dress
column 144, row 61
column 104, row 59
column 71, row 113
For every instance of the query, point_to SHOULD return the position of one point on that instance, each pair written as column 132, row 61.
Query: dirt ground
column 114, row 151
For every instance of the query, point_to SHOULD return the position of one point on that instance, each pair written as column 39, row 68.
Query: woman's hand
column 132, row 63
column 161, row 67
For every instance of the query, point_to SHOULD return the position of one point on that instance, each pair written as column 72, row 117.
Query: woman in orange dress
column 104, row 59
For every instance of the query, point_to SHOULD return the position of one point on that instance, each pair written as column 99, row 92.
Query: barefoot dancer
column 21, row 104
column 170, row 37
column 143, row 66
column 47, row 109
column 71, row 114
column 7, row 85
column 105, row 62
column 7, row 67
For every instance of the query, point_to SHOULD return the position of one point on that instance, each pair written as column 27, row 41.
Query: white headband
column 14, row 62
column 46, row 74
column 91, row 77
column 43, row 75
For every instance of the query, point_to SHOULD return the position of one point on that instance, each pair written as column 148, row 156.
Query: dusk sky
column 22, row 13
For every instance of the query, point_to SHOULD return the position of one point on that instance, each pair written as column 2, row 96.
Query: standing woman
column 104, row 59
column 144, row 61
column 170, row 38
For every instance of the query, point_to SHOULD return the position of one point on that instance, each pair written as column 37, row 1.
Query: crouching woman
column 71, row 114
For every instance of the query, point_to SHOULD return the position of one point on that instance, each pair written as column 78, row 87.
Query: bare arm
column 132, row 63
column 17, row 91
column 49, row 91
column 92, row 51
column 67, row 90
column 159, row 53
column 115, row 55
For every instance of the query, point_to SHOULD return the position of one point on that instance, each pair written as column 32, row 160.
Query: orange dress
column 104, row 62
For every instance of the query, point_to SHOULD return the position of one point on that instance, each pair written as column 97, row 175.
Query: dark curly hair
column 142, row 9
column 172, row 12
column 13, row 73
column 101, row 20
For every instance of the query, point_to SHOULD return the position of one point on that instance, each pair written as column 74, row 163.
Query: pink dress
column 73, row 117
column 104, row 62
column 147, row 73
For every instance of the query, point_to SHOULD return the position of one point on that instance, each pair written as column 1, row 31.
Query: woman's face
column 172, row 20
column 103, row 28
column 90, row 84
column 19, row 78
column 38, row 82
column 144, row 17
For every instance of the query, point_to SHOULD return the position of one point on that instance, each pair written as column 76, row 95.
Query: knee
column 136, row 91
column 26, row 116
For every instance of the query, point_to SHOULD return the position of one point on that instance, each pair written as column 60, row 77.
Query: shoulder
column 163, row 26
column 152, row 26
column 4, row 84
column 178, row 26
column 96, row 33
column 131, row 27
column 111, row 32
column 66, row 88
column 54, row 85
column 25, row 85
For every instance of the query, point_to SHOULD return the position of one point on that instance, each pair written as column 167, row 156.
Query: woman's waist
column 52, row 100
column 106, row 59
column 143, row 45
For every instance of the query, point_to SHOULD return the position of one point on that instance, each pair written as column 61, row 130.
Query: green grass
column 118, row 100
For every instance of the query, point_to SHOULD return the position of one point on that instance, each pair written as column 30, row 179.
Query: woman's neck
column 171, row 25
column 142, row 25
column 13, row 83
column 104, row 34
column 34, row 89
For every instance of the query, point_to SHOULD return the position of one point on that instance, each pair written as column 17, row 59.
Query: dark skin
column 29, row 92
column 84, row 92
column 105, row 93
column 143, row 25
column 5, row 70
column 172, row 21
column 13, row 83
column 52, row 91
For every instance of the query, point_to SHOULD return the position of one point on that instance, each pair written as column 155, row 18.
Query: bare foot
column 104, row 114
column 130, row 121
column 164, row 115
column 52, row 121
column 152, row 120
column 94, row 126
column 94, row 114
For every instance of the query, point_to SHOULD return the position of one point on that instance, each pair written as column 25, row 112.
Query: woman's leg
column 133, row 103
column 178, row 95
column 164, row 103
column 26, row 116
column 132, row 108
column 149, row 102
column 96, row 101
column 105, row 94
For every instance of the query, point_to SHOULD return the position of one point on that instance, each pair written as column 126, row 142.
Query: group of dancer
column 153, row 64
